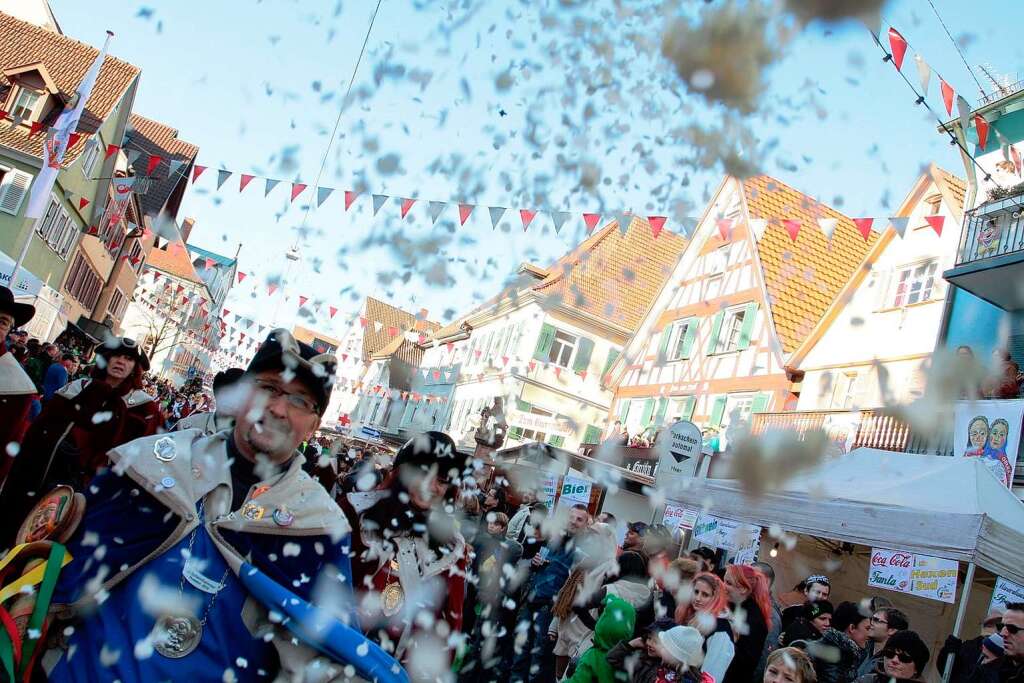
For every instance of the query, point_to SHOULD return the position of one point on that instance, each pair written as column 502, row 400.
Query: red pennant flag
column 406, row 205
column 244, row 180
column 350, row 197
column 303, row 300
column 657, row 224
column 362, row 321
column 35, row 128
column 111, row 150
column 982, row 125
column 532, row 365
column 947, row 96
column 464, row 211
column 392, row 331
column 226, row 312
column 297, row 189
column 82, row 203
column 526, row 216
column 899, row 47
column 792, row 227
column 936, row 223
column 558, row 371
column 437, row 375
column 1015, row 155
column 73, row 139
column 241, row 276
column 864, row 226
column 197, row 171
column 3, row 114
column 156, row 275
column 154, row 161
column 504, row 360
column 449, row 346
column 93, row 230
column 136, row 260
column 582, row 374
column 271, row 289
column 724, row 228
column 591, row 219
column 179, row 290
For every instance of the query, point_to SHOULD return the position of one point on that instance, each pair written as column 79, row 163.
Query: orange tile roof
column 389, row 316
column 615, row 276
column 153, row 137
column 802, row 278
column 67, row 60
column 175, row 261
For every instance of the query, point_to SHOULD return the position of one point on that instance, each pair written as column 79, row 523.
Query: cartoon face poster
column 990, row 430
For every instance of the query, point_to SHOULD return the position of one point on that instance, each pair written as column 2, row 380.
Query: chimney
column 186, row 228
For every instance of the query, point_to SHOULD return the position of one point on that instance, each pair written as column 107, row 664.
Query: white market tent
column 946, row 507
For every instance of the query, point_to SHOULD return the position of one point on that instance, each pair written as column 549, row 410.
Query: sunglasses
column 1012, row 629
column 902, row 656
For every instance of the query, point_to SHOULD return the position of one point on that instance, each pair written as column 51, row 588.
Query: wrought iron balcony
column 993, row 229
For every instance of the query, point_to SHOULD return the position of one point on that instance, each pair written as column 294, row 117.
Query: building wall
column 350, row 370
column 872, row 331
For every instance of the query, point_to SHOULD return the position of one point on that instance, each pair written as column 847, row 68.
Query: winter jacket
column 968, row 656
column 208, row 422
column 749, row 645
column 56, row 377
column 845, row 669
column 548, row 579
column 635, row 593
column 16, row 395
column 719, row 649
column 1002, row 670
column 613, row 626
column 638, row 665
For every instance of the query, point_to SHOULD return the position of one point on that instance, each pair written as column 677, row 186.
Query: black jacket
column 748, row 645
column 1002, row 670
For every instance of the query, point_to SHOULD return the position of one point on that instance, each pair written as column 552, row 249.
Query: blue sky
column 258, row 86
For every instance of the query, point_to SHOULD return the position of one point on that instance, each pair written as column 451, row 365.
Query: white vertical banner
column 989, row 430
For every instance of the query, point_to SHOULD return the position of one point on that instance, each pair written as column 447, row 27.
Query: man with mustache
column 199, row 555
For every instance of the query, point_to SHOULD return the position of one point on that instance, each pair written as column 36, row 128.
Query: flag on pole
column 57, row 139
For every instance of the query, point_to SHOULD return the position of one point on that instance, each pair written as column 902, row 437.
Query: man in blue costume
column 197, row 552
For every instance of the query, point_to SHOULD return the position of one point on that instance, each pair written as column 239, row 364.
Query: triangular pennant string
column 407, row 205
column 378, row 201
column 222, row 176
column 526, row 216
column 947, row 95
column 350, row 197
column 924, row 74
column 864, row 226
column 243, row 180
column 435, row 209
column 558, row 219
column 724, row 227
column 271, row 184
column 322, row 193
column 464, row 211
column 982, row 126
column 197, row 170
column 590, row 220
column 899, row 48
column 297, row 189
column 657, row 224
column 496, row 213
column 936, row 222
column 899, row 224
column 792, row 228
column 828, row 227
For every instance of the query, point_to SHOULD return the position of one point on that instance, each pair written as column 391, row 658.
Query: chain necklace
column 178, row 635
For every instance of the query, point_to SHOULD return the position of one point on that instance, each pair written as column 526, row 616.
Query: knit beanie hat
column 910, row 643
column 684, row 643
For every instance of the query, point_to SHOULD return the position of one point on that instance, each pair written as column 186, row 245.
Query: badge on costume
column 260, row 490
column 193, row 574
column 164, row 449
column 391, row 599
column 252, row 511
column 283, row 517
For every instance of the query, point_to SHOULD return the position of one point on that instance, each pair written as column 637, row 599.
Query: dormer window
column 25, row 104
column 32, row 92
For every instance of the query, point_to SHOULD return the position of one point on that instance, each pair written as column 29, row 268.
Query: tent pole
column 961, row 610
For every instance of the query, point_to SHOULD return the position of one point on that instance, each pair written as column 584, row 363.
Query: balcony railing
column 993, row 229
column 855, row 429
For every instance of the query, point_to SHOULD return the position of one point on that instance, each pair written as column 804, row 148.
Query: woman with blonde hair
column 707, row 610
column 789, row 665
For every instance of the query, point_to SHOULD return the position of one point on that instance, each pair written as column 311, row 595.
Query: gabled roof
column 804, row 278
column 614, row 276
column 953, row 190
column 377, row 311
column 153, row 137
column 174, row 260
column 66, row 60
column 206, row 253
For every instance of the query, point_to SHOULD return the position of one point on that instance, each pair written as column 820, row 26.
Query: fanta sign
column 921, row 575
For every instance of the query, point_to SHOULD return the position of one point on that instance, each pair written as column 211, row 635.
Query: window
column 136, row 260
column 713, row 287
column 844, row 390
column 732, row 328
column 83, row 282
column 25, row 104
column 532, row 434
column 738, row 408
column 561, row 349
column 58, row 229
column 681, row 408
column 681, row 339
column 716, row 261
column 92, row 154
column 116, row 305
column 914, row 284
column 13, row 188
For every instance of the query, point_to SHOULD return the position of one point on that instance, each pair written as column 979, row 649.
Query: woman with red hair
column 70, row 439
column 708, row 612
column 748, row 595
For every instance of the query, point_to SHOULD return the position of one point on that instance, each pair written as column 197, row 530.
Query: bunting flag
column 112, row 150
column 35, row 128
column 222, row 177
column 496, row 213
column 322, row 193
column 624, row 221
column 241, row 276
column 924, row 74
column 297, row 189
column 590, row 220
column 947, row 96
column 154, row 161
column 435, row 209
column 271, row 184
column 378, row 201
column 332, row 310
column 657, row 224
column 936, row 222
column 526, row 216
column 899, row 224
column 464, row 211
column 243, row 180
column 175, row 167
column 724, row 227
column 899, row 48
column 82, row 203
column 864, row 226
column 350, row 197
column 690, row 226
column 303, row 300
column 197, row 171
column 407, row 205
column 271, row 288
column 828, row 227
column 963, row 108
column 558, row 219
column 792, row 228
column 74, row 138
column 982, row 127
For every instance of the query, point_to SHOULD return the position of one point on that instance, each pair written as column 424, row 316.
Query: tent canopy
column 952, row 508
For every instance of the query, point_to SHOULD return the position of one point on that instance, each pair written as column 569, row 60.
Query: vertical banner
column 990, row 430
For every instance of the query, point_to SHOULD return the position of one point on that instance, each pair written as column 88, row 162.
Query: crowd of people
column 160, row 532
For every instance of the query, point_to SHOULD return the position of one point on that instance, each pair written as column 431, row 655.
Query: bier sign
column 678, row 458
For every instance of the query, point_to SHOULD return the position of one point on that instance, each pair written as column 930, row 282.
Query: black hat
column 638, row 527
column 432, row 449
column 123, row 346
column 813, row 610
column 226, row 378
column 281, row 351
column 22, row 312
column 911, row 644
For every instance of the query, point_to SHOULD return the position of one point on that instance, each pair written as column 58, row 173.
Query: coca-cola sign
column 927, row 577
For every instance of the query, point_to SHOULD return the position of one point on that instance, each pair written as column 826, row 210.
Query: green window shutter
column 659, row 415
column 557, row 441
column 748, row 325
column 717, row 412
column 688, row 405
column 645, row 417
column 592, row 434
column 522, row 406
column 666, row 336
column 691, row 335
column 547, row 338
column 623, row 409
column 760, row 403
column 716, row 328
column 584, row 350
column 613, row 355
column 515, row 433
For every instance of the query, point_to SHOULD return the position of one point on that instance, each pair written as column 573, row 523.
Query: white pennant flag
column 899, row 224
column 963, row 107
column 828, row 227
column 924, row 74
column 758, row 225
column 558, row 219
column 435, row 209
column 496, row 213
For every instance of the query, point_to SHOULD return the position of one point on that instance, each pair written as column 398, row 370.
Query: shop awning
column 932, row 505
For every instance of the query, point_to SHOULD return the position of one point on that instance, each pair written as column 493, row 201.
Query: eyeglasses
column 296, row 401
column 902, row 656
column 1012, row 629
column 876, row 620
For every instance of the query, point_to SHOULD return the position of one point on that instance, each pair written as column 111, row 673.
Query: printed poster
column 933, row 578
column 1004, row 593
column 727, row 534
column 678, row 518
column 989, row 430
column 575, row 490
